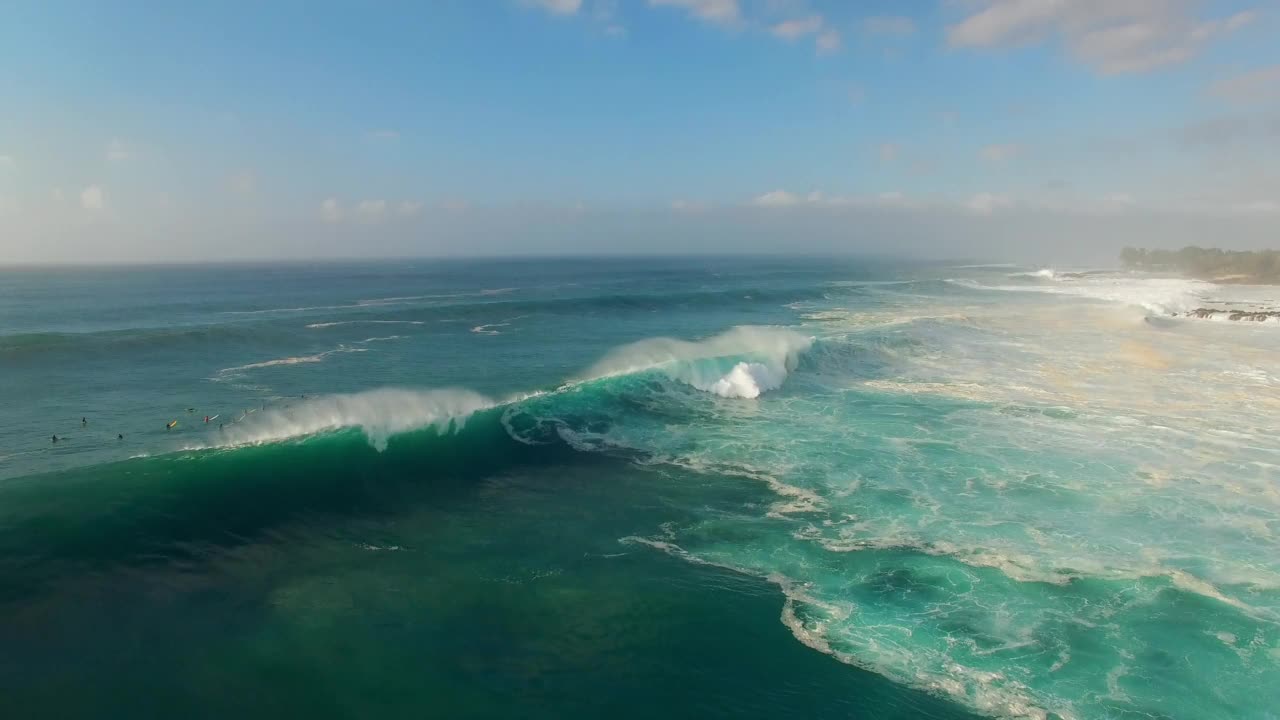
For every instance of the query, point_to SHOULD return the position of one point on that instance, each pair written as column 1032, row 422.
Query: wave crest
column 742, row 362
column 378, row 413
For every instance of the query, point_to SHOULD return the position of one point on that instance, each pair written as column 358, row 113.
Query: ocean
column 697, row 487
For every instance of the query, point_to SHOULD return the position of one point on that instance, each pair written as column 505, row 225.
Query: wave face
column 1042, row 496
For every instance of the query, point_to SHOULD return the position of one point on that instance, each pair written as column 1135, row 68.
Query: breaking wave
column 741, row 363
column 1160, row 296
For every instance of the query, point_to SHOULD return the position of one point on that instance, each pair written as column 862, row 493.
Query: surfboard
column 170, row 425
column 215, row 417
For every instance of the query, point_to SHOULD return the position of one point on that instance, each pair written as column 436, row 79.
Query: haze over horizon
column 1026, row 130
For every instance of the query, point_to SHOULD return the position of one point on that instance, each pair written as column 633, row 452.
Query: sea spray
column 380, row 414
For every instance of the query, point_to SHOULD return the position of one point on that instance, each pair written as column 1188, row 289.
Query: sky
column 1010, row 129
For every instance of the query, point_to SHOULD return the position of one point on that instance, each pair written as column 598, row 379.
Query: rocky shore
column 1204, row 313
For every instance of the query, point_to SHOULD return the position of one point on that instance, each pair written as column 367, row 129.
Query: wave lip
column 379, row 413
column 742, row 362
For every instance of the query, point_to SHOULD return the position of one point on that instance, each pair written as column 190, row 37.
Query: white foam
column 406, row 298
column 289, row 310
column 747, row 380
column 826, row 623
column 295, row 360
column 317, row 326
column 795, row 499
column 1163, row 296
column 372, row 302
column 1044, row 274
column 487, row 329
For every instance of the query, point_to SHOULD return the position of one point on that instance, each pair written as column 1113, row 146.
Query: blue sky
column 133, row 130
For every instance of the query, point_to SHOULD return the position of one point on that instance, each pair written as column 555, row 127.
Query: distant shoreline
column 1225, row 267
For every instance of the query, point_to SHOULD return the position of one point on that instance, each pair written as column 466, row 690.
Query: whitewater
column 911, row 490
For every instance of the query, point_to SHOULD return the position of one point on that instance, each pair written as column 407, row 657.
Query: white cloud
column 243, row 182
column 1112, row 36
column 888, row 25
column 720, row 12
column 116, row 151
column 604, row 13
column 331, row 211
column 557, row 7
column 93, row 198
column 1001, row 153
column 455, row 205
column 1257, row 85
column 793, row 29
column 888, row 152
column 828, row 41
column 987, row 203
column 409, row 208
column 826, row 38
column 372, row 209
column 776, row 198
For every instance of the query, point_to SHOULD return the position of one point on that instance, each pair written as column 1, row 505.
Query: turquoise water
column 763, row 488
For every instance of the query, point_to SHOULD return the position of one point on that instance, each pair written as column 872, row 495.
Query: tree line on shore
column 1260, row 266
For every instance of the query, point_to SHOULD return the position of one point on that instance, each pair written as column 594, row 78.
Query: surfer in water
column 55, row 438
column 84, row 421
column 120, row 436
column 206, row 418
